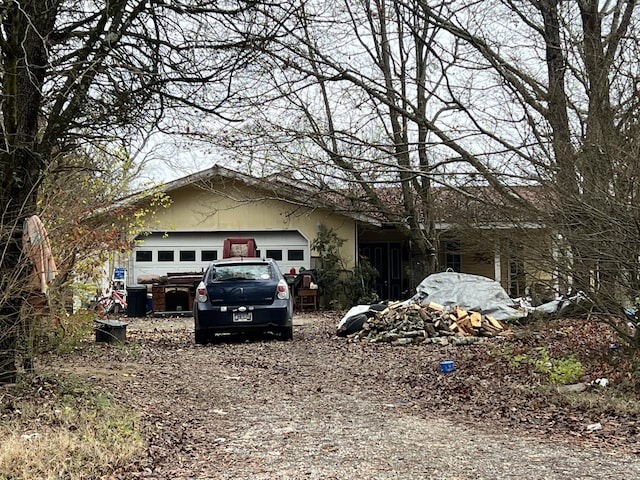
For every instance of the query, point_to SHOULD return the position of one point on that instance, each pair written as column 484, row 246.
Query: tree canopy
column 92, row 76
column 409, row 94
column 498, row 94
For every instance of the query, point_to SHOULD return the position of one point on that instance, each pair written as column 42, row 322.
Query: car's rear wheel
column 286, row 333
column 201, row 337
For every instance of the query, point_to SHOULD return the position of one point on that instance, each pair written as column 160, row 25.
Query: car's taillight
column 201, row 292
column 282, row 290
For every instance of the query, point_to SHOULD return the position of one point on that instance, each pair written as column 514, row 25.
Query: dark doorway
column 387, row 258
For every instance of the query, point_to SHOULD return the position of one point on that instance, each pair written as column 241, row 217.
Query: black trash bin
column 136, row 300
column 111, row 331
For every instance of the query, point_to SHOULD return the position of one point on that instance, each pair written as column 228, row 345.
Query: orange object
column 35, row 243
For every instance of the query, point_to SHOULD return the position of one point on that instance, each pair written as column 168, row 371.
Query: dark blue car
column 243, row 294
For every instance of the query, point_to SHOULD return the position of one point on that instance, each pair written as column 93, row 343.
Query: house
column 477, row 232
column 284, row 219
column 212, row 205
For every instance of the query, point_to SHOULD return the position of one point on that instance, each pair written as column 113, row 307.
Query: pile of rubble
column 401, row 323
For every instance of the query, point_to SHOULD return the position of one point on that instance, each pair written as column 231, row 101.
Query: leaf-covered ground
column 324, row 407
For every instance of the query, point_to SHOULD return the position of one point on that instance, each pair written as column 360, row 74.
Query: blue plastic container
column 447, row 366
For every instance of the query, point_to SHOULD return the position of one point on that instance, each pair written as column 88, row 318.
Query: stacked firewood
column 401, row 323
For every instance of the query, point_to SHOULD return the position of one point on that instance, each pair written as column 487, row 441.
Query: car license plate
column 242, row 317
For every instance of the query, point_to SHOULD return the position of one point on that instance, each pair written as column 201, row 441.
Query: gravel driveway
column 317, row 408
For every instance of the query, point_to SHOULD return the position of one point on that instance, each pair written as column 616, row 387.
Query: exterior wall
column 233, row 209
column 478, row 265
column 518, row 259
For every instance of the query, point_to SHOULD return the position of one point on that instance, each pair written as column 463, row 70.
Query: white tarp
column 471, row 292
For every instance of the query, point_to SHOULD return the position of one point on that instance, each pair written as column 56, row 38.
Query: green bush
column 337, row 284
column 558, row 371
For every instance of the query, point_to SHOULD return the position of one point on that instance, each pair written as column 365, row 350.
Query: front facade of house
column 213, row 205
column 502, row 254
column 189, row 234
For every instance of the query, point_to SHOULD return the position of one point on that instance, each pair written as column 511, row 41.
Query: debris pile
column 400, row 323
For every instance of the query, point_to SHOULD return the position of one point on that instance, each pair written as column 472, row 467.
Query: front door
column 387, row 259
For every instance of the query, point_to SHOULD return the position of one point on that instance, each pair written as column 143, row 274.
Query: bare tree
column 90, row 73
column 499, row 94
column 365, row 95
column 572, row 73
column 352, row 85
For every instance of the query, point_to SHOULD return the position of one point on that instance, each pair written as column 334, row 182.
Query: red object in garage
column 239, row 247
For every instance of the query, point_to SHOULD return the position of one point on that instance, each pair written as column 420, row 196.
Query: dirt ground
column 322, row 407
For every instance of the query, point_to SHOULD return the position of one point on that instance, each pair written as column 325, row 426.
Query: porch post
column 497, row 268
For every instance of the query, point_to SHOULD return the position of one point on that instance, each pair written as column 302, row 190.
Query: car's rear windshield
column 241, row 271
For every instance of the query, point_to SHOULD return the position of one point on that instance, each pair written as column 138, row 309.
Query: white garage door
column 159, row 253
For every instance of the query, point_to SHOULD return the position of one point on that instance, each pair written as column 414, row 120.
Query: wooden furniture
column 176, row 299
column 306, row 298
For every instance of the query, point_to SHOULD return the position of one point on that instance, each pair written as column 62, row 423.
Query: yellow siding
column 470, row 264
column 243, row 208
column 477, row 254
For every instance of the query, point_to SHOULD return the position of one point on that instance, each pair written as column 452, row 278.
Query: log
column 460, row 312
column 430, row 329
column 488, row 329
column 464, row 324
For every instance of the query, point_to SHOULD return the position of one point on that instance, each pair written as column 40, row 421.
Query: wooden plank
column 435, row 306
column 495, row 323
column 476, row 319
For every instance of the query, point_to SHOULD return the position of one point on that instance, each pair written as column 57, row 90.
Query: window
column 516, row 269
column 144, row 256
column 452, row 257
column 165, row 255
column 275, row 254
column 187, row 255
column 295, row 255
column 241, row 271
column 208, row 255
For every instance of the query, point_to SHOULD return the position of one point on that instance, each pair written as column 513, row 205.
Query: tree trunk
column 11, row 305
column 24, row 56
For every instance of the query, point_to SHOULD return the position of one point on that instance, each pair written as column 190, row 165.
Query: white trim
column 497, row 266
column 493, row 226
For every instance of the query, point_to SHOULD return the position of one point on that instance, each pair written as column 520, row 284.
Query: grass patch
column 78, row 328
column 53, row 428
column 600, row 401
